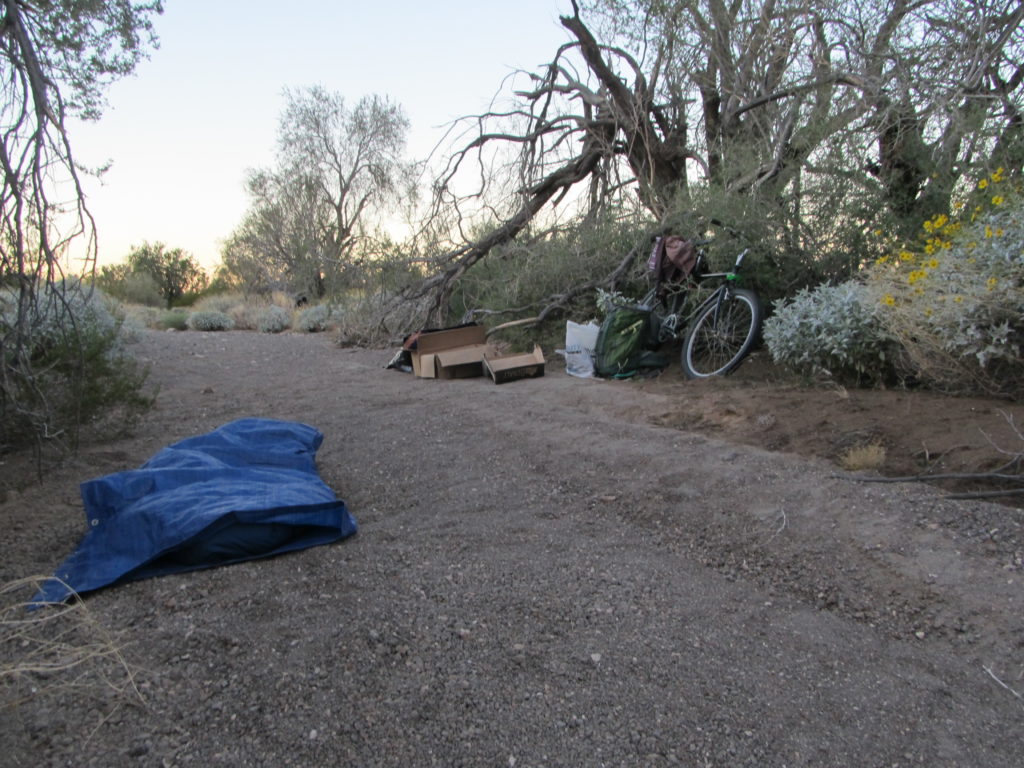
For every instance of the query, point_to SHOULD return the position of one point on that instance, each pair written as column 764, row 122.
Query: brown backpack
column 672, row 260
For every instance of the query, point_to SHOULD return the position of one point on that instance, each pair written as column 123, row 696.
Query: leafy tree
column 174, row 271
column 310, row 216
column 56, row 59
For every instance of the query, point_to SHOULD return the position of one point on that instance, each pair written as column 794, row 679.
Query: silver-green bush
column 831, row 329
column 314, row 319
column 956, row 302
column 273, row 319
column 210, row 321
column 73, row 369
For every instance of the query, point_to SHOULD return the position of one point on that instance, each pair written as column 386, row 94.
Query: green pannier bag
column 626, row 343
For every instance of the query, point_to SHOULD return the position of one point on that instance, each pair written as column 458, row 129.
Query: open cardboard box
column 456, row 353
column 504, row 368
column 450, row 354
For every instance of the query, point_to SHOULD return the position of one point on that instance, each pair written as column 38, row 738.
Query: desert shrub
column 246, row 317
column 132, row 326
column 245, row 311
column 273, row 319
column 946, row 310
column 363, row 320
column 863, row 456
column 314, row 319
column 955, row 298
column 833, row 329
column 171, row 319
column 283, row 300
column 210, row 321
column 73, row 368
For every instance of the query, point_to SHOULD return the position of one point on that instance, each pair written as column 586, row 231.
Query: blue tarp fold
column 248, row 489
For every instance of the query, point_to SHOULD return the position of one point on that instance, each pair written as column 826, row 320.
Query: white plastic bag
column 580, row 342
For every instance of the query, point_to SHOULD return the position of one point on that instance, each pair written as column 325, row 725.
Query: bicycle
column 721, row 330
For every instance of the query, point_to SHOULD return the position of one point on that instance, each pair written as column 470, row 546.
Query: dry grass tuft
column 861, row 457
column 55, row 648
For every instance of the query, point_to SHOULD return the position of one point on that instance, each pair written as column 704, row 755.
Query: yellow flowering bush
column 946, row 310
column 955, row 300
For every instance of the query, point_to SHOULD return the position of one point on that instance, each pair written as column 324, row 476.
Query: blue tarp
column 248, row 489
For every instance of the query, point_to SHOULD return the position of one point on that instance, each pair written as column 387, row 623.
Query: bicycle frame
column 672, row 325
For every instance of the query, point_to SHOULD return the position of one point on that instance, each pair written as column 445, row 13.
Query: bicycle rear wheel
column 721, row 335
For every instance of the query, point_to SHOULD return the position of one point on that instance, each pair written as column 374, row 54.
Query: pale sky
column 204, row 108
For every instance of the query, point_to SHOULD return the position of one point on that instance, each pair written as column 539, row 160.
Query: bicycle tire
column 721, row 336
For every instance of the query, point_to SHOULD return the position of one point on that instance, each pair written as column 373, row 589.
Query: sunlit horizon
column 183, row 131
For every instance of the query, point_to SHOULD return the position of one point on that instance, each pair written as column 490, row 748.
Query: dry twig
column 1001, row 683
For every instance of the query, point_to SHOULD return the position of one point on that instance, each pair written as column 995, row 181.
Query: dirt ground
column 550, row 572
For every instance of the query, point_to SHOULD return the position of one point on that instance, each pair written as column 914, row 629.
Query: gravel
column 542, row 577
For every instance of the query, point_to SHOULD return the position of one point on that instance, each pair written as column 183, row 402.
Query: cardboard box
column 450, row 354
column 504, row 368
column 461, row 362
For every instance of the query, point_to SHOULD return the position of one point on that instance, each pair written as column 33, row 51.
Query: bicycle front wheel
column 722, row 334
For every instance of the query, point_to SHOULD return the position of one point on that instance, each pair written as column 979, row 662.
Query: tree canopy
column 802, row 126
column 174, row 272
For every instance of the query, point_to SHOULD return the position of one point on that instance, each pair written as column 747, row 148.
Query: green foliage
column 955, row 297
column 85, row 45
column 210, row 321
column 832, row 329
column 75, row 368
column 171, row 319
column 62, row 360
column 223, row 282
column 826, row 243
column 60, row 363
column 314, row 319
column 273, row 319
column 174, row 272
column 380, row 266
column 522, row 277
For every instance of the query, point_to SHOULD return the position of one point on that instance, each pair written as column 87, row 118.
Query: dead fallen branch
column 977, row 477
